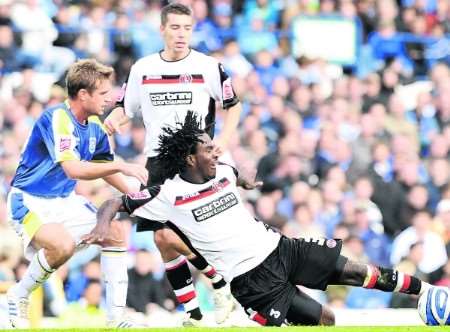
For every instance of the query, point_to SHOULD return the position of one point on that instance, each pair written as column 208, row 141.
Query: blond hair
column 86, row 74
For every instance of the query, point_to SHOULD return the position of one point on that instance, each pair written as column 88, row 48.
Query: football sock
column 37, row 272
column 389, row 280
column 113, row 262
column 180, row 278
column 202, row 265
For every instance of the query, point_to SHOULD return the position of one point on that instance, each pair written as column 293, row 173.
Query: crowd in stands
column 360, row 153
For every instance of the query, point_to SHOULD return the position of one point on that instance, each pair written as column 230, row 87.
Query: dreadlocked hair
column 176, row 143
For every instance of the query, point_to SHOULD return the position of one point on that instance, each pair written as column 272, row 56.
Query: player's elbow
column 72, row 169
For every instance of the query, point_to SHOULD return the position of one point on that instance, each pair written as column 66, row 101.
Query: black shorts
column 266, row 292
column 154, row 178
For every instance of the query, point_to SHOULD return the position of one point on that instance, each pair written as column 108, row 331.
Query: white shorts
column 27, row 213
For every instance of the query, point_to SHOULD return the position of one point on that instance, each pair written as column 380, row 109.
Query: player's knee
column 327, row 317
column 166, row 239
column 117, row 234
column 62, row 250
column 162, row 240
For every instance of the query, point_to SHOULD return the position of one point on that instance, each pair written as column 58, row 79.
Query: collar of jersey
column 197, row 184
column 75, row 121
column 160, row 56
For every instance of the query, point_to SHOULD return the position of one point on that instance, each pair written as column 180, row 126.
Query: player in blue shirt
column 68, row 143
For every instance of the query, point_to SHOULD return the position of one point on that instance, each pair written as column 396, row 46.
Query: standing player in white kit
column 163, row 87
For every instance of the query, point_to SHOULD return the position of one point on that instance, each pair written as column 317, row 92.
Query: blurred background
column 346, row 120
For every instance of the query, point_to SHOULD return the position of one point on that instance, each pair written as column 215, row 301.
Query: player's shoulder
column 95, row 122
column 170, row 183
column 147, row 60
column 225, row 167
column 56, row 113
column 203, row 58
column 54, row 109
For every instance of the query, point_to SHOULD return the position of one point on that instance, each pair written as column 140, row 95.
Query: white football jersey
column 163, row 91
column 213, row 218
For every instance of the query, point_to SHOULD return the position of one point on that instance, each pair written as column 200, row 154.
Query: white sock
column 37, row 272
column 424, row 286
column 114, row 271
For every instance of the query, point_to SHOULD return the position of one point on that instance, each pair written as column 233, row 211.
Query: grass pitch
column 272, row 329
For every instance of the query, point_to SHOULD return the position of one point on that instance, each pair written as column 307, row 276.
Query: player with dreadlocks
column 176, row 144
column 202, row 202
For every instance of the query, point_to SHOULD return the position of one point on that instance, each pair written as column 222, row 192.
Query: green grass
column 273, row 329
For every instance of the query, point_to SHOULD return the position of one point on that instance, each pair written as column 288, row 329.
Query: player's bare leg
column 385, row 279
column 55, row 246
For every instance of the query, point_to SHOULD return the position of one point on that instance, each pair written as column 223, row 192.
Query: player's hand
column 137, row 171
column 112, row 125
column 247, row 179
column 99, row 235
column 219, row 146
column 250, row 185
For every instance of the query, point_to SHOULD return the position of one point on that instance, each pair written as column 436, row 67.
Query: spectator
column 307, row 124
column 86, row 312
column 410, row 265
column 144, row 290
column 376, row 244
column 434, row 253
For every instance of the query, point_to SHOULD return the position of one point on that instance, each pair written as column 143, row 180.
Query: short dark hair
column 174, row 8
column 176, row 143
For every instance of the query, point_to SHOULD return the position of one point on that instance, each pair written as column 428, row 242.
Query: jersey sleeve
column 148, row 204
column 131, row 95
column 222, row 88
column 59, row 138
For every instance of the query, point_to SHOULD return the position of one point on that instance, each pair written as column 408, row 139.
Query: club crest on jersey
column 185, row 78
column 92, row 144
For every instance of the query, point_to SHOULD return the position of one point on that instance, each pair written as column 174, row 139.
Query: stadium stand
column 346, row 120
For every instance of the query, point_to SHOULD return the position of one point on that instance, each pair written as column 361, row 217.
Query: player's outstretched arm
column 105, row 215
column 85, row 170
column 114, row 120
column 119, row 182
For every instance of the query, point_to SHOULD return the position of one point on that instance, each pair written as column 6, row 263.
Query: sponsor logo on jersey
column 210, row 190
column 227, row 89
column 215, row 207
column 144, row 194
column 171, row 98
column 64, row 143
column 92, row 144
